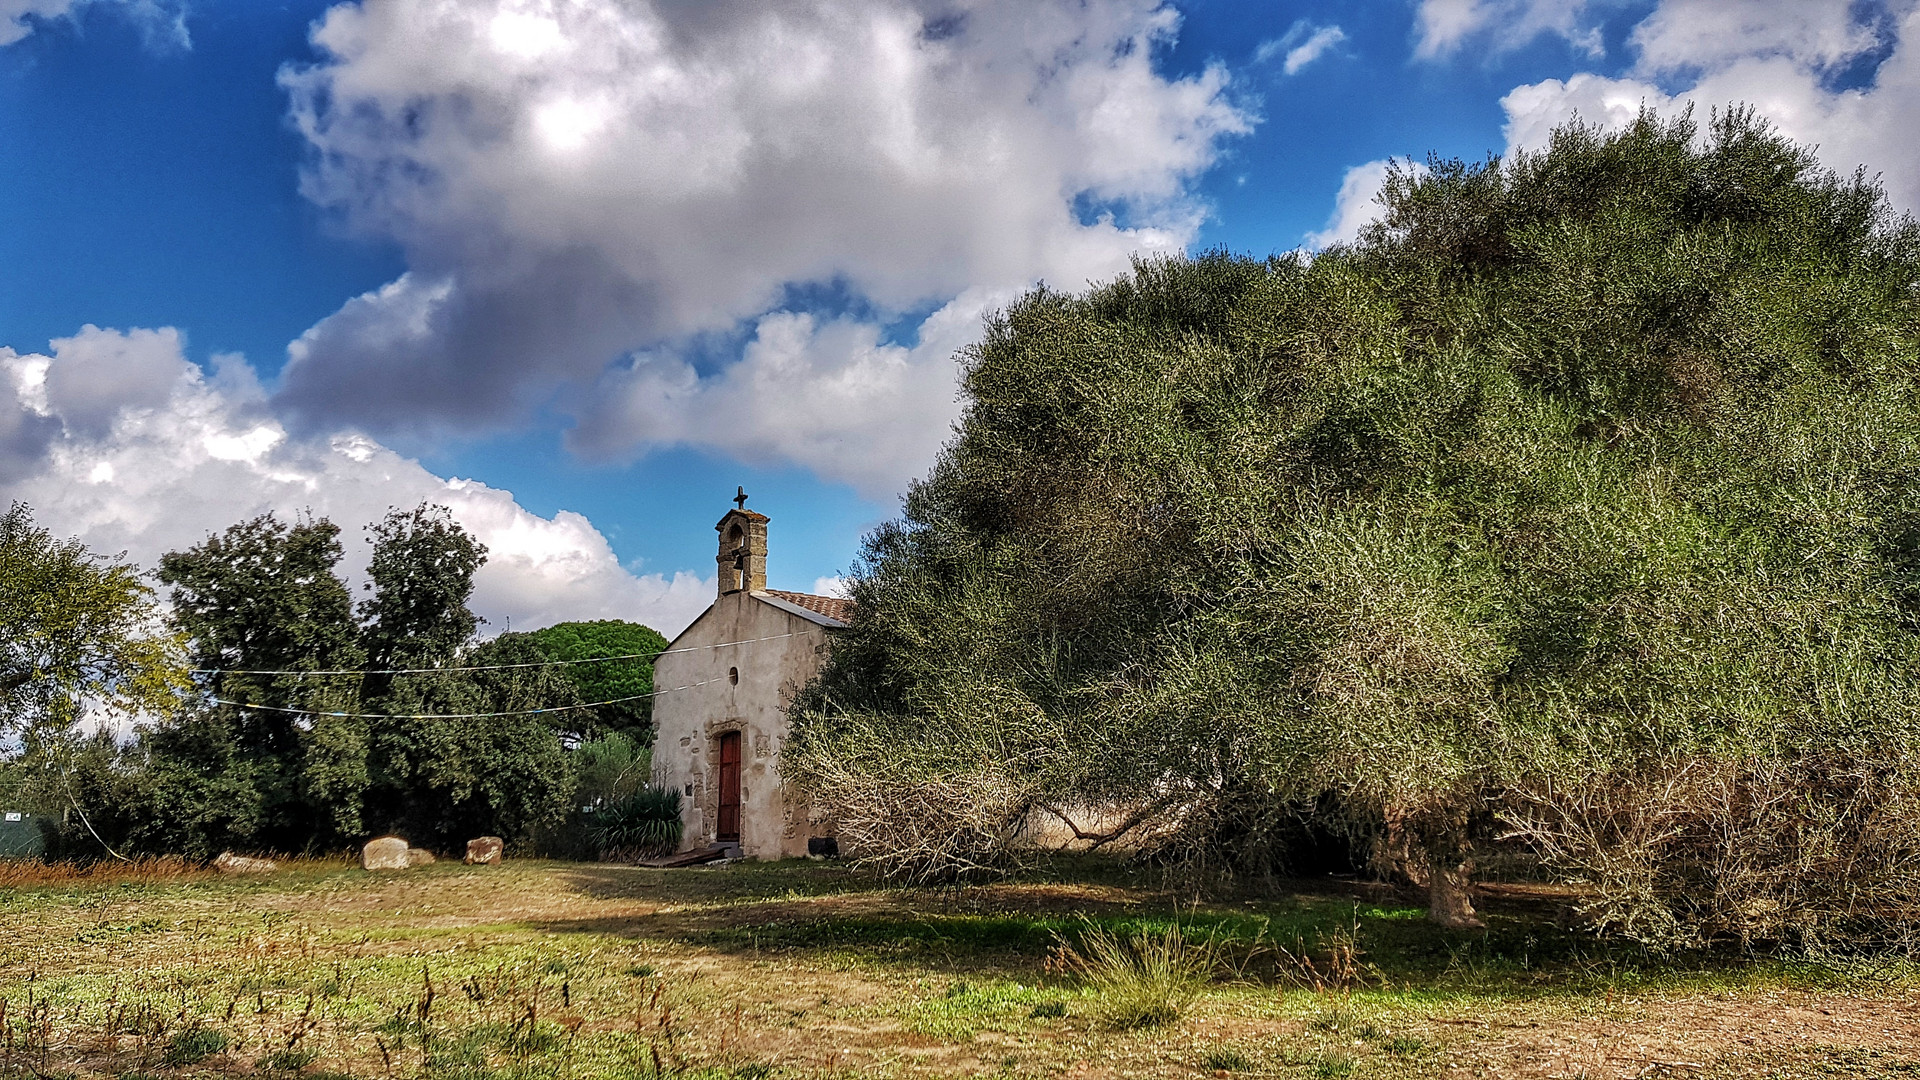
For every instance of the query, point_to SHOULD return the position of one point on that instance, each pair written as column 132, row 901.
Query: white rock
column 385, row 853
column 229, row 863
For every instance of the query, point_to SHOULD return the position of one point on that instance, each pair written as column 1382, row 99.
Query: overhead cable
column 494, row 667
column 451, row 716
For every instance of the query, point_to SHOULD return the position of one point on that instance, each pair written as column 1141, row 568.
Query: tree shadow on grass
column 1288, row 933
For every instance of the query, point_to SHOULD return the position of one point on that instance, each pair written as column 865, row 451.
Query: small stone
column 485, row 851
column 419, row 856
column 385, row 853
column 229, row 863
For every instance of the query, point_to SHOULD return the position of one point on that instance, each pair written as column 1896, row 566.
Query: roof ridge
column 837, row 608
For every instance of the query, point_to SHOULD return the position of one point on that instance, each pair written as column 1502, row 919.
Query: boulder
column 419, row 856
column 485, row 851
column 385, row 853
column 229, row 863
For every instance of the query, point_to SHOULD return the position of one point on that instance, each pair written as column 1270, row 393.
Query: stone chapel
column 720, row 695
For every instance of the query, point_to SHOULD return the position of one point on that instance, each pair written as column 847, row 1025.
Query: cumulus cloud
column 1356, row 205
column 1777, row 57
column 1444, row 27
column 133, row 448
column 1302, row 44
column 577, row 181
column 825, row 393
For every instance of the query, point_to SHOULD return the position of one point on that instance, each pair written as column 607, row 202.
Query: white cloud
column 1444, row 27
column 579, row 180
column 1773, row 56
column 179, row 454
column 1355, row 207
column 1534, row 110
column 825, row 393
column 1302, row 44
column 15, row 15
column 163, row 22
column 1694, row 34
column 830, row 586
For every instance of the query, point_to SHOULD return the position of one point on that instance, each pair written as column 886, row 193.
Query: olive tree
column 1576, row 503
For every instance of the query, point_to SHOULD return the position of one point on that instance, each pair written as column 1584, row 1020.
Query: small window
column 733, row 676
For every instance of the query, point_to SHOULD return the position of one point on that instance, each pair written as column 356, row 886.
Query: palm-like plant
column 642, row 825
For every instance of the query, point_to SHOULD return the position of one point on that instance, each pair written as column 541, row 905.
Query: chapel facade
column 720, row 696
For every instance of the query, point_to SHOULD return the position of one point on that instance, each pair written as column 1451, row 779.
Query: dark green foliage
column 416, row 753
column 1584, row 472
column 608, row 681
column 644, row 824
column 262, row 596
column 611, row 767
column 607, row 769
column 445, row 781
column 422, row 569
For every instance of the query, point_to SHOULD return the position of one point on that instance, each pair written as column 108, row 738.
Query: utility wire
column 450, row 716
column 66, row 781
column 494, row 667
column 422, row 716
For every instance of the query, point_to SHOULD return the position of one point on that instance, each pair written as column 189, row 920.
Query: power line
column 493, row 667
column 455, row 716
column 67, row 782
column 423, row 716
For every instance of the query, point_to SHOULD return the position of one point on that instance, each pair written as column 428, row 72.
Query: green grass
column 965, row 1009
column 1226, row 1059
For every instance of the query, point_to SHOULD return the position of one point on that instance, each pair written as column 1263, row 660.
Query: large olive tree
column 1577, row 503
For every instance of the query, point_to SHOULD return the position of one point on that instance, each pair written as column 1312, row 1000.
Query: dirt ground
column 804, row 969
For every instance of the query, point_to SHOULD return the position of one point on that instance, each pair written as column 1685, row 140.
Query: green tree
column 1580, row 498
column 79, row 634
column 422, row 577
column 330, row 746
column 571, row 642
column 263, row 596
column 444, row 771
column 75, row 628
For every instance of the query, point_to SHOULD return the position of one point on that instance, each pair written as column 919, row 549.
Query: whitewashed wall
column 695, row 703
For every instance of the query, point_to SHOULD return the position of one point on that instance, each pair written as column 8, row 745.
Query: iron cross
column 740, row 499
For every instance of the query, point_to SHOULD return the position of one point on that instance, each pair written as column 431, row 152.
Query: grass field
column 812, row 970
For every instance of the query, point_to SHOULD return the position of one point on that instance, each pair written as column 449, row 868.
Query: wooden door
column 729, row 828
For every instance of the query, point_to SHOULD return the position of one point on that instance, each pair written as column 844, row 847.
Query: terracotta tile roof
column 833, row 607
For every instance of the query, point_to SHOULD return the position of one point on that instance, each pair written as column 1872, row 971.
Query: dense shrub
column 642, row 825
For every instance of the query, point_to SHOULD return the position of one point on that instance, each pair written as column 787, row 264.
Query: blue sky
column 609, row 263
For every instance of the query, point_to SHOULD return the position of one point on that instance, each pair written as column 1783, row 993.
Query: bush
column 1144, row 979
column 1817, row 854
column 644, row 825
